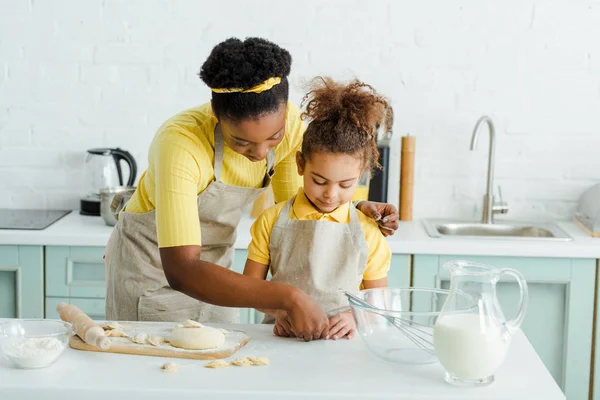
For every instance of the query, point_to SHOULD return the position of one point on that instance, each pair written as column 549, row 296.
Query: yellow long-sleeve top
column 380, row 255
column 180, row 167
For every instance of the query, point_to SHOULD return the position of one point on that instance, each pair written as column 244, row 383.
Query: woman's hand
column 307, row 320
column 385, row 214
column 342, row 326
column 282, row 326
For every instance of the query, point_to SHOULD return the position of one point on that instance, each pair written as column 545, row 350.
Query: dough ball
column 217, row 364
column 197, row 338
column 223, row 331
column 170, row 367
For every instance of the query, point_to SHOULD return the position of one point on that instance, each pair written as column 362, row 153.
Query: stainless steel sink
column 444, row 228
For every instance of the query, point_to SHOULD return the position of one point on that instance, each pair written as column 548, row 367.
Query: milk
column 470, row 346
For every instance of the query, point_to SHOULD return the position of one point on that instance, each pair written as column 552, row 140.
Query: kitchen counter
column 316, row 370
column 411, row 238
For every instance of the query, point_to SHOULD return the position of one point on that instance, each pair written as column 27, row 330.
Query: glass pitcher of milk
column 472, row 341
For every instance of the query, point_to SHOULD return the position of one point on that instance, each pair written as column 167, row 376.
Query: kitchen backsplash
column 81, row 74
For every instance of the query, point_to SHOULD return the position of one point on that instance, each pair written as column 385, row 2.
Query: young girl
column 317, row 241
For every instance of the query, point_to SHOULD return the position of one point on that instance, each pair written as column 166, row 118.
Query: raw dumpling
column 156, row 340
column 170, row 367
column 140, row 338
column 113, row 326
column 259, row 360
column 116, row 333
column 217, row 364
column 196, row 338
column 242, row 362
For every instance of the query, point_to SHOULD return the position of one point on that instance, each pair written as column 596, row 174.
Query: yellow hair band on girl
column 263, row 87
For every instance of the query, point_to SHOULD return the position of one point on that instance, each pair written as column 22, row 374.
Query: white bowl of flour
column 33, row 343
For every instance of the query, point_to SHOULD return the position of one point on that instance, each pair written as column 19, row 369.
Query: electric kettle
column 104, row 171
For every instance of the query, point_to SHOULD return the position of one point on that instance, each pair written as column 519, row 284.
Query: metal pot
column 119, row 195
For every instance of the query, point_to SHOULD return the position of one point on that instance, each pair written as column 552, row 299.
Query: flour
column 33, row 352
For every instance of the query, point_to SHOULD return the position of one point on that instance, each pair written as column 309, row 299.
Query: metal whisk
column 412, row 330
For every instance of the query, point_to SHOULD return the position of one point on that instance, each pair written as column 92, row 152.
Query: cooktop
column 29, row 219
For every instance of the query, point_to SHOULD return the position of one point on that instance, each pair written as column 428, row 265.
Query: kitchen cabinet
column 94, row 308
column 399, row 274
column 76, row 275
column 559, row 316
column 21, row 282
column 73, row 271
column 596, row 355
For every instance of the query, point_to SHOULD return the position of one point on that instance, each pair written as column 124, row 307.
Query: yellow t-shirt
column 380, row 254
column 180, row 167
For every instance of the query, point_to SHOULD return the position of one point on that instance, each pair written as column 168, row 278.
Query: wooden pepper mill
column 407, row 177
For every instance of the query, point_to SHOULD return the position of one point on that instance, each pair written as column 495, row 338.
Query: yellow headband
column 263, row 87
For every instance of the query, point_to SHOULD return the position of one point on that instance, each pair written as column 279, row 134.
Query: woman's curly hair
column 244, row 64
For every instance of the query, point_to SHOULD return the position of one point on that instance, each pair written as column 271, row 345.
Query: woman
column 166, row 255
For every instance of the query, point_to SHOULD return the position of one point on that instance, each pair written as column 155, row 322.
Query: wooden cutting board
column 234, row 340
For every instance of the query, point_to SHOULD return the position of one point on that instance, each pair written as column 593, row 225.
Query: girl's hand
column 342, row 326
column 385, row 214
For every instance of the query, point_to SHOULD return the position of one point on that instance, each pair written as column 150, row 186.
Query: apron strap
column 353, row 214
column 284, row 215
column 270, row 161
column 219, row 151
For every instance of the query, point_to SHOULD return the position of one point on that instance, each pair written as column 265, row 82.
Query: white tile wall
column 80, row 74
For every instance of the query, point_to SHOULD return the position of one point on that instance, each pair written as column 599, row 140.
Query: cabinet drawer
column 94, row 308
column 239, row 261
column 21, row 282
column 399, row 274
column 75, row 272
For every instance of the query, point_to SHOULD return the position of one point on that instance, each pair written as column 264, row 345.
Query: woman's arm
column 213, row 284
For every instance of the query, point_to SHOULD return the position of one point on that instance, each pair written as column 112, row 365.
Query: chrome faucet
column 489, row 206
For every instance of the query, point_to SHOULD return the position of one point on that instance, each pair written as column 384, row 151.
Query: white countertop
column 411, row 238
column 316, row 370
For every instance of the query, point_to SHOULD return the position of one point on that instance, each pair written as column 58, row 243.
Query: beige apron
column 137, row 288
column 318, row 257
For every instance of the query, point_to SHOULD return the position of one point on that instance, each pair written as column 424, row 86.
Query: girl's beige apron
column 318, row 257
column 137, row 288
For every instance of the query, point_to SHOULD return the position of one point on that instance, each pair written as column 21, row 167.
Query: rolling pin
column 407, row 174
column 89, row 331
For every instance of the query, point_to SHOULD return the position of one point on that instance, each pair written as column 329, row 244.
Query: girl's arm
column 256, row 269
column 259, row 271
column 378, row 283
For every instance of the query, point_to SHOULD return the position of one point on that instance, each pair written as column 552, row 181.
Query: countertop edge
column 410, row 238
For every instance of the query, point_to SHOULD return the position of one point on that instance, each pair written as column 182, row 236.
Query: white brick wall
column 79, row 74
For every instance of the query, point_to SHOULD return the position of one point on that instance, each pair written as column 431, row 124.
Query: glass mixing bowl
column 33, row 343
column 397, row 324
